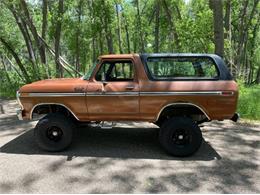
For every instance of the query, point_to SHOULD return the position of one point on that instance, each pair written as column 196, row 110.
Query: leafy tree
column 46, row 38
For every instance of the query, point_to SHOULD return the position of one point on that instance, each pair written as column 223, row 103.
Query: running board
column 106, row 125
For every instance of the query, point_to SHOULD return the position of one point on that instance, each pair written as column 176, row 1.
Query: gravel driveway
column 128, row 159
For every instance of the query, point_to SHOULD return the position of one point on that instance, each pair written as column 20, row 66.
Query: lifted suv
column 175, row 91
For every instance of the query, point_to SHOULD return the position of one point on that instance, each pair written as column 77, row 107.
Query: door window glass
column 116, row 71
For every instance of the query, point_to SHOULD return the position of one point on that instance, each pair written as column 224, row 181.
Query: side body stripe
column 129, row 93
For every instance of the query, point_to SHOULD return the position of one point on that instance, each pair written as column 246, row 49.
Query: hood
column 55, row 85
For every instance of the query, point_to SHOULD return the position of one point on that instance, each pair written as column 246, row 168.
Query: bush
column 249, row 101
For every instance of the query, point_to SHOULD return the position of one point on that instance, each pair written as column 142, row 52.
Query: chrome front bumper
column 20, row 110
column 19, row 114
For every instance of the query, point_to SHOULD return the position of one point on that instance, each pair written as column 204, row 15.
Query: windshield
column 91, row 69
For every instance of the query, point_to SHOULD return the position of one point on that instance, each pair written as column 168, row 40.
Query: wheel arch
column 181, row 105
column 51, row 105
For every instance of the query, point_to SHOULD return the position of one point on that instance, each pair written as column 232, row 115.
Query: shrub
column 249, row 101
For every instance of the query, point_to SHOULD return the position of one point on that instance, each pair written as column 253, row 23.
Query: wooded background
column 55, row 38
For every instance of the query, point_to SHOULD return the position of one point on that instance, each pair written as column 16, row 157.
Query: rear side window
column 182, row 67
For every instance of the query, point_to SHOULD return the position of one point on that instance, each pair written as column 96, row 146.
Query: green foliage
column 194, row 38
column 248, row 102
column 8, row 87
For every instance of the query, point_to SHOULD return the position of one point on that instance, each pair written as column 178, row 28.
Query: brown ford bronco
column 177, row 92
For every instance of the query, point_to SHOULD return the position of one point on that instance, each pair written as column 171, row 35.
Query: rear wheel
column 54, row 132
column 180, row 136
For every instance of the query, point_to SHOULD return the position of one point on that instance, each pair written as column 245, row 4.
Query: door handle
column 130, row 87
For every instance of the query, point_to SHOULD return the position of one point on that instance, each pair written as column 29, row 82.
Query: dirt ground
column 128, row 159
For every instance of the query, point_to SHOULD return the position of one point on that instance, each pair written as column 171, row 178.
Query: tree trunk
column 59, row 70
column 6, row 72
column 94, row 55
column 44, row 30
column 27, row 39
column 173, row 32
column 17, row 59
column 156, row 33
column 228, row 36
column 227, row 19
column 246, row 21
column 101, row 43
column 217, row 7
column 119, row 27
column 14, row 68
column 63, row 62
column 251, row 72
column 127, row 33
column 44, row 18
column 157, row 27
column 139, row 26
column 109, row 40
column 79, row 11
column 257, row 80
column 241, row 31
column 24, row 33
column 33, row 29
column 105, row 20
column 177, row 10
column 251, row 51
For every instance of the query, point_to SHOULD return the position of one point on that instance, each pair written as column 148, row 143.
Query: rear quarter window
column 162, row 68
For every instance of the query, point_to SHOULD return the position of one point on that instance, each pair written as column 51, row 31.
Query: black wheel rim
column 54, row 133
column 181, row 137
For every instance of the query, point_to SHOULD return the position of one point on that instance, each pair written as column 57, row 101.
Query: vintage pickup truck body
column 143, row 97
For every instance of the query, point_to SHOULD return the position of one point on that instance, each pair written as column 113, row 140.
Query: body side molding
column 132, row 93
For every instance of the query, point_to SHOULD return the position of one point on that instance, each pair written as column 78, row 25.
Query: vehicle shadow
column 139, row 143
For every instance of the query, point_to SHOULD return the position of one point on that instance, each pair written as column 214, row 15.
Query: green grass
column 249, row 101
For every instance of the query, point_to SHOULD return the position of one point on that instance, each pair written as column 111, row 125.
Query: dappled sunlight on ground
column 128, row 159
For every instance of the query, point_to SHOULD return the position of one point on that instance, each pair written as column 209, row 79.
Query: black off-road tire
column 48, row 127
column 180, row 136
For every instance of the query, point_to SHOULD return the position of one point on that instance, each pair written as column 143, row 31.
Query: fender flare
column 41, row 104
column 182, row 103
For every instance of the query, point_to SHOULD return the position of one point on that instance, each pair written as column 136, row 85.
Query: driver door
column 113, row 94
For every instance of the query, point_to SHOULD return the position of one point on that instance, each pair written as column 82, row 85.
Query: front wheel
column 180, row 136
column 54, row 132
